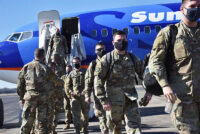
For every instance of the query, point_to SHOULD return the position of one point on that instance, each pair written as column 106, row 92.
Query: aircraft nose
column 9, row 55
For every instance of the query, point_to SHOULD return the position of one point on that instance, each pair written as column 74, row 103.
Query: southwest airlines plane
column 141, row 23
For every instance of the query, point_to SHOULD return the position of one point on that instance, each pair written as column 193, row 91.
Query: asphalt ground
column 154, row 119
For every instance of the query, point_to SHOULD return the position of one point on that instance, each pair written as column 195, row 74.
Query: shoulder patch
column 98, row 67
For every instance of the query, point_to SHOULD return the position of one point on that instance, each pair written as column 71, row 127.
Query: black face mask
column 67, row 72
column 121, row 45
column 101, row 52
column 193, row 14
column 77, row 65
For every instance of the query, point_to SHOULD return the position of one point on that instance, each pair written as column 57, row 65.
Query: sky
column 16, row 13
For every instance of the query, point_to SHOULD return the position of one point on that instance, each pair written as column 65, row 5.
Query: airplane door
column 48, row 22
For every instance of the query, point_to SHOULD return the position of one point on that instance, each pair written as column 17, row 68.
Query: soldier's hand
column 72, row 94
column 107, row 106
column 87, row 100
column 169, row 94
column 148, row 96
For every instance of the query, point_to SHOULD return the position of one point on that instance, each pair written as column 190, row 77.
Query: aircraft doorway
column 70, row 26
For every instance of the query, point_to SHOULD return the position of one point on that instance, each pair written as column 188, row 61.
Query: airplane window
column 26, row 35
column 7, row 37
column 94, row 33
column 157, row 28
column 126, row 30
column 15, row 37
column 104, row 32
column 114, row 30
column 147, row 29
column 136, row 30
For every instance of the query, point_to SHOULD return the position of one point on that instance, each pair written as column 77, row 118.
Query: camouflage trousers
column 67, row 109
column 101, row 115
column 80, row 110
column 50, row 115
column 60, row 64
column 186, row 116
column 34, row 112
column 131, row 115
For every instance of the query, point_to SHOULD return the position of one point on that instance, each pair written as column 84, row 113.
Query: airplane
column 141, row 23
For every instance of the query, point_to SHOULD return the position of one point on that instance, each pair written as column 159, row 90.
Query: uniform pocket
column 180, row 48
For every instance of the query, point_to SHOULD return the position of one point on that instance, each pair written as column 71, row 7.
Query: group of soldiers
column 111, row 80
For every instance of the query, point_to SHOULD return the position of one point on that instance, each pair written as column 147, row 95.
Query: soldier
column 55, row 95
column 33, row 88
column 74, row 85
column 67, row 101
column 179, row 46
column 89, row 87
column 115, row 88
column 59, row 50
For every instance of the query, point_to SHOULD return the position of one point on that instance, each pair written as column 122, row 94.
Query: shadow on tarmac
column 11, row 125
column 150, row 111
column 159, row 133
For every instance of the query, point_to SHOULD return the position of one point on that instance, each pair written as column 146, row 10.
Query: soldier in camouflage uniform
column 74, row 85
column 114, row 85
column 89, row 87
column 59, row 50
column 55, row 97
column 33, row 88
column 67, row 107
column 182, row 76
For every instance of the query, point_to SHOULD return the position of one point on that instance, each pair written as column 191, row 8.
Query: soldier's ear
column 181, row 8
column 113, row 43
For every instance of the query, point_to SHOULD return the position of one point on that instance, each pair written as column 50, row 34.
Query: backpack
column 150, row 83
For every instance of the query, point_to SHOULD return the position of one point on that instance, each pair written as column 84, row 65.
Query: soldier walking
column 33, row 89
column 115, row 88
column 74, row 85
column 67, row 107
column 174, row 61
column 89, row 88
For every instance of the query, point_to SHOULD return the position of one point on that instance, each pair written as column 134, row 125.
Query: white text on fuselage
column 142, row 16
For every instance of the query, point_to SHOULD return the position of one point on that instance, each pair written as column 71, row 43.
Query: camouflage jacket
column 89, row 79
column 75, row 83
column 89, row 84
column 58, row 44
column 34, row 78
column 183, row 72
column 112, row 83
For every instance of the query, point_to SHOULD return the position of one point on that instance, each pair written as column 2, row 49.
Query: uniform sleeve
column 54, row 78
column 158, row 56
column 89, row 81
column 100, row 74
column 68, row 86
column 139, row 67
column 21, row 85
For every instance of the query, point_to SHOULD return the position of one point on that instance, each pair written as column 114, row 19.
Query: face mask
column 121, row 45
column 67, row 72
column 101, row 52
column 77, row 65
column 193, row 14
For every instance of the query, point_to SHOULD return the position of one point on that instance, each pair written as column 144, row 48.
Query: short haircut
column 69, row 66
column 39, row 53
column 184, row 1
column 119, row 32
column 100, row 43
column 76, row 58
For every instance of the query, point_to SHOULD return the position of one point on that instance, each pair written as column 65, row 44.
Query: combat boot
column 66, row 126
column 85, row 130
column 54, row 130
column 77, row 131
